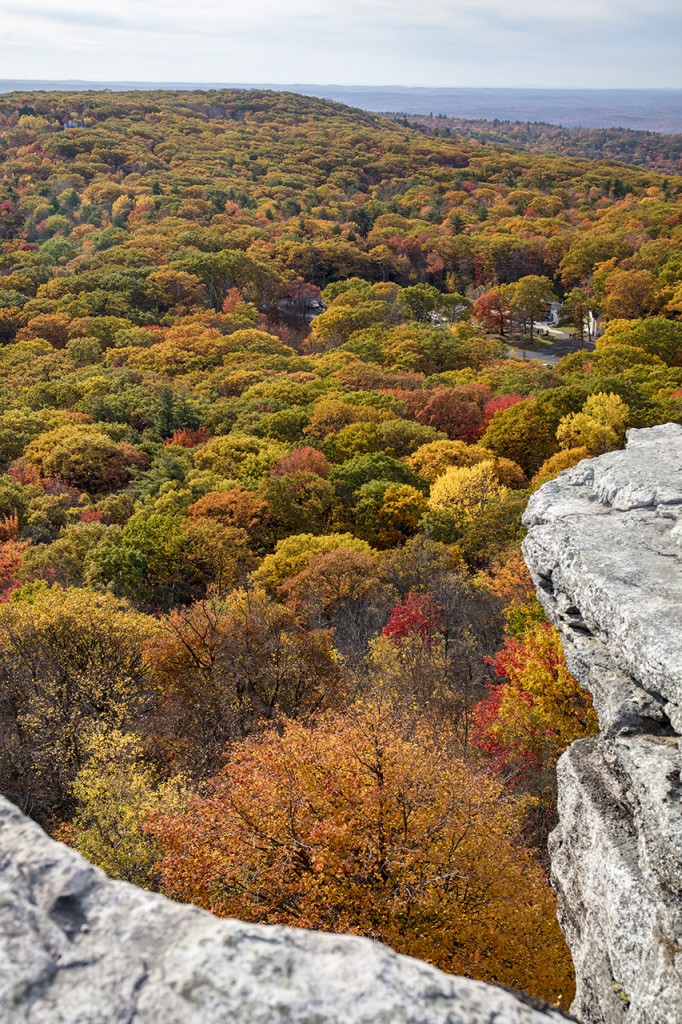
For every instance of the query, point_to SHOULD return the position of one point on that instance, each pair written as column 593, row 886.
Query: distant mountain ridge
column 658, row 110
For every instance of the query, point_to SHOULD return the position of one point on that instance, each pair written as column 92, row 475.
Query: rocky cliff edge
column 604, row 547
column 78, row 948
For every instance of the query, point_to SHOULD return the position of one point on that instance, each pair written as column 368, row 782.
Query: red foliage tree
column 188, row 438
column 12, row 552
column 419, row 615
column 23, row 473
column 526, row 722
column 302, row 460
column 457, row 411
column 491, row 310
column 497, row 404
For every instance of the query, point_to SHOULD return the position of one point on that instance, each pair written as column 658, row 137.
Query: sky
column 437, row 43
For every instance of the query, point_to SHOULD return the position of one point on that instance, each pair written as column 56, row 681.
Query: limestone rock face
column 78, row 948
column 604, row 547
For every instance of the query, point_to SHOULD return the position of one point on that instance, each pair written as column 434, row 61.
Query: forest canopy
column 267, row 432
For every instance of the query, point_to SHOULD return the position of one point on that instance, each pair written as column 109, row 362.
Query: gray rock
column 78, row 948
column 604, row 548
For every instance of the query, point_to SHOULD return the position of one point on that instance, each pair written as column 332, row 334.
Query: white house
column 594, row 327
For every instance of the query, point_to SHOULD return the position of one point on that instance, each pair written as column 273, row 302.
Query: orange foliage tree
column 237, row 507
column 508, row 578
column 367, row 822
column 491, row 310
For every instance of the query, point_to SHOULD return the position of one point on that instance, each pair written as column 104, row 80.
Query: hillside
column 648, row 149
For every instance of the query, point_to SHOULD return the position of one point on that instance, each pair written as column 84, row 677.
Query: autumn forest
column 276, row 382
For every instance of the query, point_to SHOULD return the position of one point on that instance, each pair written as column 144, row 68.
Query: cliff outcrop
column 78, row 948
column 604, row 547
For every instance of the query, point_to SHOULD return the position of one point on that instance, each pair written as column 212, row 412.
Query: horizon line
column 334, row 85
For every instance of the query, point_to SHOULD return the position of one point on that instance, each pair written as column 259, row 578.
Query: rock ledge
column 604, row 548
column 78, row 948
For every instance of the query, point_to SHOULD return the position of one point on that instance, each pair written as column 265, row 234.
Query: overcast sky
column 566, row 43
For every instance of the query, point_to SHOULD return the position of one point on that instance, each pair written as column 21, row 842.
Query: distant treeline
column 644, row 149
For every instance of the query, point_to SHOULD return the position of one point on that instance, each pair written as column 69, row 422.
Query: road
column 548, row 357
column 562, row 344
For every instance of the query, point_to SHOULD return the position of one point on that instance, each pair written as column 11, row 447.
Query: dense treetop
column 310, row 188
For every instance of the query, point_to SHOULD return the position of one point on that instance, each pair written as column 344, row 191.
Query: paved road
column 549, row 357
column 562, row 344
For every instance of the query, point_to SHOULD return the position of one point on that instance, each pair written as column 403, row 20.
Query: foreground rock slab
column 78, row 948
column 604, row 548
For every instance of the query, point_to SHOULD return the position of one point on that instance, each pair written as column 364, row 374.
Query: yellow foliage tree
column 599, row 426
column 70, row 660
column 432, row 460
column 555, row 464
column 466, row 490
column 116, row 792
column 398, row 517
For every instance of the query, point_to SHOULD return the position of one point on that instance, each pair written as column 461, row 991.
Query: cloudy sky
column 534, row 43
